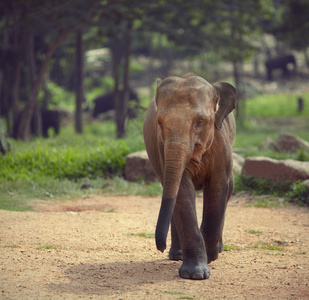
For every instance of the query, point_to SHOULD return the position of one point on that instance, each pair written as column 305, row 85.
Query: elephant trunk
column 176, row 156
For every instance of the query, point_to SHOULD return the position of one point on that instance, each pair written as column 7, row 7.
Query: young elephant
column 189, row 130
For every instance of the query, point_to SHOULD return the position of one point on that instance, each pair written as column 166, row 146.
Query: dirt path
column 79, row 250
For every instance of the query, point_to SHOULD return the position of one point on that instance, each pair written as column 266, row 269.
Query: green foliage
column 70, row 157
column 262, row 186
column 275, row 105
column 299, row 193
column 70, row 163
column 58, row 95
column 296, row 192
column 95, row 88
column 55, row 168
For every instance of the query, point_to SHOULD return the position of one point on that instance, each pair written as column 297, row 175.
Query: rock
column 138, row 166
column 238, row 162
column 268, row 143
column 276, row 170
column 289, row 143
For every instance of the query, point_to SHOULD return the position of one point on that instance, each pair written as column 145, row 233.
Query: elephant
column 188, row 132
column 105, row 103
column 280, row 62
column 50, row 119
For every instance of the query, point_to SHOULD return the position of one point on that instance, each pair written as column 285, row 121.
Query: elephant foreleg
column 190, row 238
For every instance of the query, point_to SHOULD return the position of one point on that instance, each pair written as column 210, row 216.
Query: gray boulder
column 287, row 142
column 268, row 143
column 138, row 166
column 238, row 162
column 276, row 170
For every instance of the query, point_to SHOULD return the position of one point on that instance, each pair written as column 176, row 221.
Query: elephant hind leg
column 175, row 252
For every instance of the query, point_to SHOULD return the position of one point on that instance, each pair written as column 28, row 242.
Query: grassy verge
column 56, row 168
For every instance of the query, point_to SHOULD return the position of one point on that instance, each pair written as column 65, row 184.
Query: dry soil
column 91, row 249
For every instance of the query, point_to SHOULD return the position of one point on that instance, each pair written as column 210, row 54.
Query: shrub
column 299, row 193
column 296, row 192
column 71, row 162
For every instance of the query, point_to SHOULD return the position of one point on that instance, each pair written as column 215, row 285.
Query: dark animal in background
column 50, row 119
column 105, row 103
column 300, row 104
column 280, row 62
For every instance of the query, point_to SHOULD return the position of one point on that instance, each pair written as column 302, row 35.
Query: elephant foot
column 213, row 254
column 198, row 271
column 175, row 254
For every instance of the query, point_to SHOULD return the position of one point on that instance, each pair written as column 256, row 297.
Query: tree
column 54, row 20
column 223, row 26
column 79, row 81
column 291, row 24
column 120, row 19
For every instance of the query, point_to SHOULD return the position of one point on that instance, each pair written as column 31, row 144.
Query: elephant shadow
column 116, row 277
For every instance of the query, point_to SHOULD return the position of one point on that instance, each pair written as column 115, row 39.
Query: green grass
column 173, row 292
column 45, row 247
column 122, row 187
column 109, row 210
column 268, row 246
column 254, row 231
column 230, row 248
column 275, row 105
column 142, row 234
column 56, row 168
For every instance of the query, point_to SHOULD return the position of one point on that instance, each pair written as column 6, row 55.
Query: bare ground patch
column 93, row 249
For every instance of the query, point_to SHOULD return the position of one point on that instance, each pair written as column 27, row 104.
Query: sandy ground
column 80, row 250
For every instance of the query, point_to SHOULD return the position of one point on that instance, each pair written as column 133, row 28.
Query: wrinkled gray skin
column 189, row 130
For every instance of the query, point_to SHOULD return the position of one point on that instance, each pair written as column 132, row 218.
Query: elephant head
column 189, row 111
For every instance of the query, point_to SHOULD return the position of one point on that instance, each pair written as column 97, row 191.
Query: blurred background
column 83, row 73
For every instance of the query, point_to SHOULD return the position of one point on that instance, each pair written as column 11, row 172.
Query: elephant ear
column 227, row 96
column 158, row 81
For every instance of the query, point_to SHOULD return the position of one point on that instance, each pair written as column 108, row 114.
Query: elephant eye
column 160, row 124
column 199, row 124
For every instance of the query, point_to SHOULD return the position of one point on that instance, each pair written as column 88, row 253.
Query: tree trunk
column 123, row 111
column 116, row 67
column 24, row 125
column 306, row 57
column 17, row 66
column 240, row 106
column 35, row 118
column 5, row 81
column 79, row 82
